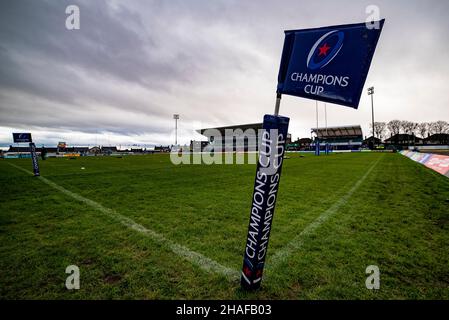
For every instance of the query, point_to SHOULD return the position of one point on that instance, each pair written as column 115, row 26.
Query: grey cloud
column 111, row 41
column 39, row 57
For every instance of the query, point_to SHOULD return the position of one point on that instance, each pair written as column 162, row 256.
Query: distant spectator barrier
column 436, row 162
column 17, row 156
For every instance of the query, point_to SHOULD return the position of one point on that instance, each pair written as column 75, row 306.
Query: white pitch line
column 196, row 258
column 282, row 254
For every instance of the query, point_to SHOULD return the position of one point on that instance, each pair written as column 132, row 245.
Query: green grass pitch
column 395, row 217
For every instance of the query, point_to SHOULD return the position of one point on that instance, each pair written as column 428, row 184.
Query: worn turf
column 397, row 218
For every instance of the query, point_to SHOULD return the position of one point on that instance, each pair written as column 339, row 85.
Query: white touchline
column 196, row 258
column 282, row 254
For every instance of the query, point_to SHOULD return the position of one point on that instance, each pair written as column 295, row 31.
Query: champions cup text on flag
column 329, row 64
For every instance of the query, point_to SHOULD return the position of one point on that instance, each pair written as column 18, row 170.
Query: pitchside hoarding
column 329, row 64
column 22, row 137
column 436, row 162
column 268, row 173
column 425, row 157
column 439, row 163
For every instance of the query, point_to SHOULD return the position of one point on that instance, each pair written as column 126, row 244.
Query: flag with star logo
column 329, row 64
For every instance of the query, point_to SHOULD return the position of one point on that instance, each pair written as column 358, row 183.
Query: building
column 80, row 150
column 108, row 150
column 302, row 144
column 403, row 139
column 198, row 145
column 339, row 138
column 162, row 149
column 437, row 139
column 23, row 149
column 94, row 150
column 371, row 142
column 244, row 137
column 232, row 136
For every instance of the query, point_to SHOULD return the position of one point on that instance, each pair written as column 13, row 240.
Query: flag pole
column 278, row 104
column 266, row 184
column 325, row 125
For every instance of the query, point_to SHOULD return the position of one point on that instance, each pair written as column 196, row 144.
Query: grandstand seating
column 339, row 138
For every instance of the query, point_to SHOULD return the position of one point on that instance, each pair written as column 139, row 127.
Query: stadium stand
column 248, row 134
column 339, row 138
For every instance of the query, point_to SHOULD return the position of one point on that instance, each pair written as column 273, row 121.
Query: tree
column 438, row 127
column 394, row 126
column 379, row 129
column 423, row 128
column 409, row 127
column 406, row 126
column 413, row 127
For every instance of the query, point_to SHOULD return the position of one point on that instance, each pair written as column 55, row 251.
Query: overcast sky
column 132, row 64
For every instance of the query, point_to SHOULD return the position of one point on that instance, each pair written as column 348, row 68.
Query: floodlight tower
column 176, row 117
column 371, row 93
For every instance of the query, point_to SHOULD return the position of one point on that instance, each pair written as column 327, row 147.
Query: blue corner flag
column 329, row 64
